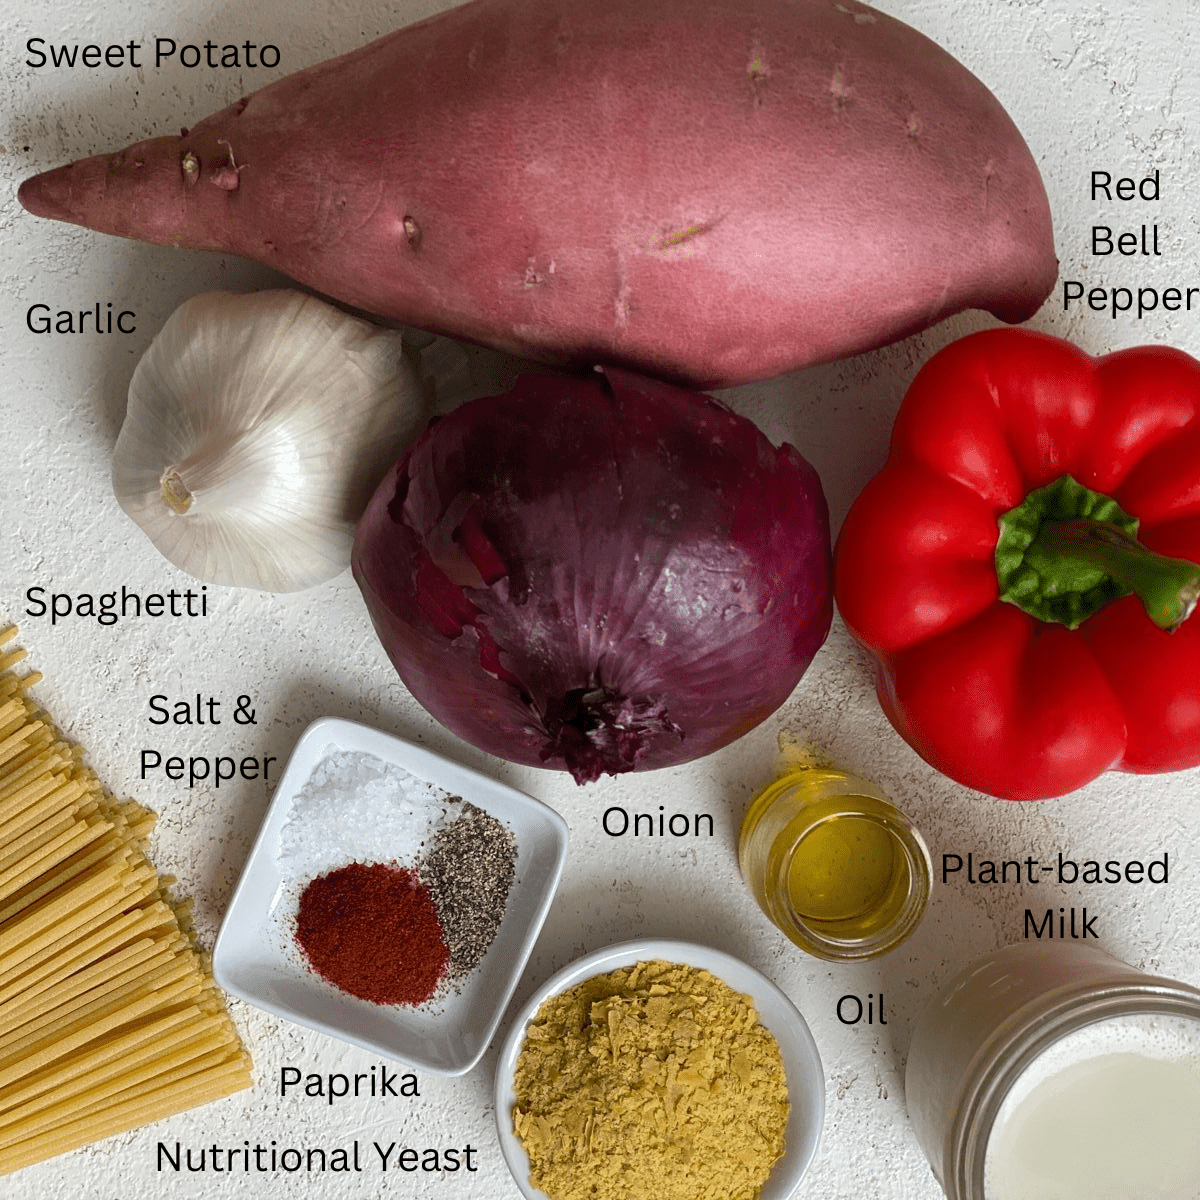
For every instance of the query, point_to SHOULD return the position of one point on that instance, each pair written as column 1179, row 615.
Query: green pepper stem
column 1168, row 587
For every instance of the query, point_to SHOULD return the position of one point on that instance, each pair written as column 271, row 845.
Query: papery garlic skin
column 257, row 428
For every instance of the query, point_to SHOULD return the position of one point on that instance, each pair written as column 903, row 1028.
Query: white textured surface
column 1093, row 85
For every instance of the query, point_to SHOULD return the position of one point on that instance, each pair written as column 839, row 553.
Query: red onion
column 600, row 574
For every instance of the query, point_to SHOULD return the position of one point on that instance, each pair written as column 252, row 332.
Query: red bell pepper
column 1019, row 561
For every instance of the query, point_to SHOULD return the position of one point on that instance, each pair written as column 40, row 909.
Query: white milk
column 1109, row 1112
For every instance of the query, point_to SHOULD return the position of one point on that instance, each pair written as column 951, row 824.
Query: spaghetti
column 109, row 1016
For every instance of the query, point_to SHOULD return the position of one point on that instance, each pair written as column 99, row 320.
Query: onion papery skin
column 597, row 574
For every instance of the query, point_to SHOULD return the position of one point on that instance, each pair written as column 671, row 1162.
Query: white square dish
column 256, row 957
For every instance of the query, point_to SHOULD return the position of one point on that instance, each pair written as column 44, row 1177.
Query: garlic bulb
column 258, row 426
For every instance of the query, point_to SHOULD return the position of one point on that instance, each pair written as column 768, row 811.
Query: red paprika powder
column 373, row 931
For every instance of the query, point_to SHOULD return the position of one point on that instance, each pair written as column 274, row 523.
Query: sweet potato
column 711, row 191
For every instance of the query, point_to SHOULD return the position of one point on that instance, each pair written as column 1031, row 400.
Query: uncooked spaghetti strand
column 126, row 987
column 11, row 658
column 41, row 753
column 28, row 965
column 39, row 764
column 72, row 869
column 109, row 1015
column 26, row 837
column 41, row 791
column 42, row 795
column 48, row 993
column 46, row 1030
column 84, row 906
column 56, row 849
column 92, row 1081
column 51, row 844
column 91, row 1026
column 90, row 982
column 179, row 1071
column 96, row 945
column 163, row 1102
column 110, row 886
column 41, row 739
column 126, row 1046
column 12, row 713
column 130, row 1045
column 39, row 771
column 223, row 1059
column 137, row 821
column 68, row 905
column 176, row 1069
column 17, row 653
column 21, row 836
column 16, row 742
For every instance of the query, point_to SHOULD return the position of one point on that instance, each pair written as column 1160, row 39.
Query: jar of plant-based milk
column 1056, row 1072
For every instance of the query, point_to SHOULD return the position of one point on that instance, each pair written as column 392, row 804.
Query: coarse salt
column 355, row 807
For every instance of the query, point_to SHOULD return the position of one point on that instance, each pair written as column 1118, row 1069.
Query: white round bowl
column 801, row 1062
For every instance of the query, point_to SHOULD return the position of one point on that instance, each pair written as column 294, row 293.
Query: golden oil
column 834, row 863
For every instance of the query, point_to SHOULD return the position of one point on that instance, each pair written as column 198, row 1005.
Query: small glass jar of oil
column 834, row 863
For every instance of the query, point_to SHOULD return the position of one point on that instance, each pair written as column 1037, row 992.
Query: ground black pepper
column 469, row 870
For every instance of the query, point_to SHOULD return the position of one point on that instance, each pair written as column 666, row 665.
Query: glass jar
column 834, row 863
column 1057, row 1027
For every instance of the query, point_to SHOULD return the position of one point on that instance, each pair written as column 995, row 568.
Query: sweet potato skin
column 712, row 191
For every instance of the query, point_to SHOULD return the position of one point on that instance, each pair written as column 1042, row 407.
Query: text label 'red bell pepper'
column 1018, row 562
